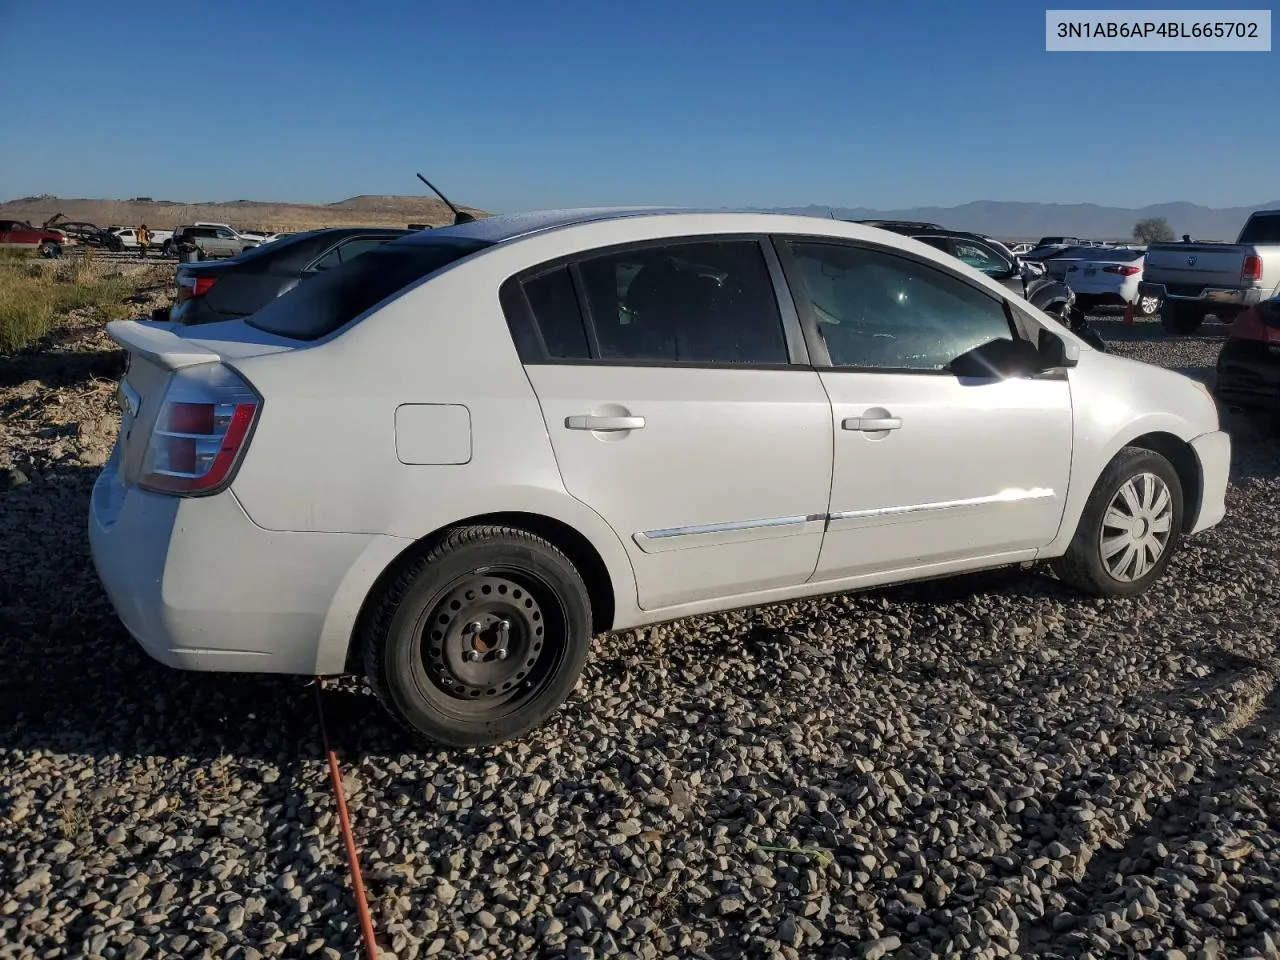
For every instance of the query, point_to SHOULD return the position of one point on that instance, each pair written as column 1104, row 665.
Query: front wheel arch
column 1179, row 453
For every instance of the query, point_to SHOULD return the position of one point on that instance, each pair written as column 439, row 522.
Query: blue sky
column 521, row 105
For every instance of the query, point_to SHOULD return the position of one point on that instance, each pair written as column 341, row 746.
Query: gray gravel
column 984, row 767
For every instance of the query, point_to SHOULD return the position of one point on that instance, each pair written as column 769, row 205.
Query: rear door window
column 333, row 299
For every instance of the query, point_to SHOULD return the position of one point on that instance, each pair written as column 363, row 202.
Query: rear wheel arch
column 1179, row 453
column 572, row 543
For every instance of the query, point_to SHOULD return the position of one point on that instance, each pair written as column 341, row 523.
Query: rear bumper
column 1207, row 296
column 1213, row 452
column 201, row 587
column 1248, row 374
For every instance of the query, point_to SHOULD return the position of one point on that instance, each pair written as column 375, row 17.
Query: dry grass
column 391, row 211
column 35, row 296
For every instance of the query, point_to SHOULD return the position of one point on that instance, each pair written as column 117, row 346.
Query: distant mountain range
column 1029, row 221
column 999, row 218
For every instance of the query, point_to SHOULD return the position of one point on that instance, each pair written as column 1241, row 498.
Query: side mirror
column 1055, row 352
column 999, row 360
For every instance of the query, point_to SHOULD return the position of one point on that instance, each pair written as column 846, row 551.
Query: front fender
column 1096, row 445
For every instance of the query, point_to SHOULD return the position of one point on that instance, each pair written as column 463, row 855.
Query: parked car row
column 536, row 428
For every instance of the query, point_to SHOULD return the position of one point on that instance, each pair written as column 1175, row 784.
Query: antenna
column 458, row 215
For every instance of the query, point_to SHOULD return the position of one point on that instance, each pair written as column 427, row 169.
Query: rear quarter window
column 323, row 303
column 1262, row 229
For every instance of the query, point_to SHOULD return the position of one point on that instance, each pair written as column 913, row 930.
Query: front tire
column 480, row 639
column 49, row 250
column 1129, row 530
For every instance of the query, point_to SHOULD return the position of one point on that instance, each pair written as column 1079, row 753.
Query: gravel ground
column 990, row 766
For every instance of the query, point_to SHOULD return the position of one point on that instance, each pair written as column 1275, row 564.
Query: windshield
column 1262, row 229
column 320, row 305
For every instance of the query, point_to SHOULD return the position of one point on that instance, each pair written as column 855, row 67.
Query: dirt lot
column 367, row 210
column 984, row 767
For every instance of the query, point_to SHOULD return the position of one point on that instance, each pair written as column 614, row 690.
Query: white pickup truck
column 1192, row 280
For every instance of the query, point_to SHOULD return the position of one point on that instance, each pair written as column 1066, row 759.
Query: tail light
column 201, row 431
column 189, row 286
column 1260, row 323
column 1251, row 270
column 1124, row 269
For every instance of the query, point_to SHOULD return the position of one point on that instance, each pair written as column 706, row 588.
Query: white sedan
column 448, row 463
column 1104, row 277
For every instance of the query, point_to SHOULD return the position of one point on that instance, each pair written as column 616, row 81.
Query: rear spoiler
column 159, row 344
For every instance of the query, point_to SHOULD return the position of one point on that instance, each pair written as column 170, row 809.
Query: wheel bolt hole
column 502, row 588
column 537, row 646
column 516, row 594
column 486, row 589
column 475, row 693
column 471, row 594
column 528, row 602
column 455, row 605
column 530, row 662
column 490, row 692
column 444, row 618
column 537, row 616
column 537, row 631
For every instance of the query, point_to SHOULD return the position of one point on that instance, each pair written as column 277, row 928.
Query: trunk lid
column 1187, row 268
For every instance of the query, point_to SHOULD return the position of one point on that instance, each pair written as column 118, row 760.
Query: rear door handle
column 872, row 424
column 605, row 424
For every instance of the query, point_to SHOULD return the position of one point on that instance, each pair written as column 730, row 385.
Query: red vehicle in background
column 20, row 235
column 1249, row 363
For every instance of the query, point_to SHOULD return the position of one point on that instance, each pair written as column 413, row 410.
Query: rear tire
column 436, row 651
column 1129, row 530
column 1181, row 319
column 1148, row 306
column 49, row 250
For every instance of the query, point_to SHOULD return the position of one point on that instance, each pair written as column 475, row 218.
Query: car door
column 225, row 243
column 681, row 408
column 930, row 468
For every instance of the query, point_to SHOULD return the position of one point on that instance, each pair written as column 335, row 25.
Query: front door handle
column 604, row 424
column 872, row 424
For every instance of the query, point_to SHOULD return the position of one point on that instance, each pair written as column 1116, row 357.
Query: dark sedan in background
column 227, row 289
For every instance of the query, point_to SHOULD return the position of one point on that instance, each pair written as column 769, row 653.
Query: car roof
column 508, row 226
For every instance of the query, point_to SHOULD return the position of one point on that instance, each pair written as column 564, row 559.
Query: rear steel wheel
column 480, row 638
column 484, row 648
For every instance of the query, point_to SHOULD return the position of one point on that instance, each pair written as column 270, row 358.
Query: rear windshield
column 319, row 305
column 275, row 248
column 1262, row 229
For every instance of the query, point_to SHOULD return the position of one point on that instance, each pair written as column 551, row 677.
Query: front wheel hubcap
column 1136, row 527
column 485, row 640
